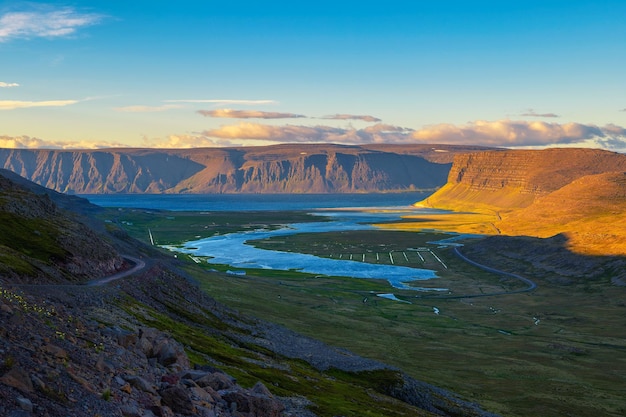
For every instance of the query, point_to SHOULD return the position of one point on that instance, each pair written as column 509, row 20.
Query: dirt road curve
column 139, row 265
column 531, row 284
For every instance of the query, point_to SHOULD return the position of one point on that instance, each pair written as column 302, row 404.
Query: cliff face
column 580, row 193
column 505, row 180
column 99, row 171
column 273, row 169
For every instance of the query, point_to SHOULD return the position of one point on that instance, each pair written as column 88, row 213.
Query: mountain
column 300, row 168
column 152, row 343
column 541, row 193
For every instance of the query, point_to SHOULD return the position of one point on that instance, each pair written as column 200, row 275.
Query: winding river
column 233, row 250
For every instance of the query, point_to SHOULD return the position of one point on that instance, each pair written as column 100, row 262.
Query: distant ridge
column 292, row 168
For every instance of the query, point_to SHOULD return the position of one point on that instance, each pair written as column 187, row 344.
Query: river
column 346, row 212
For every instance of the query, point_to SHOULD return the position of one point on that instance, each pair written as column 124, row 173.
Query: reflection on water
column 231, row 249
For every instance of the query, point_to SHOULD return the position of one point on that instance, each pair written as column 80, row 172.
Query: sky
column 180, row 74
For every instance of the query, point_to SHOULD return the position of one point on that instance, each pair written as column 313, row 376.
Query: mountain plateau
column 301, row 168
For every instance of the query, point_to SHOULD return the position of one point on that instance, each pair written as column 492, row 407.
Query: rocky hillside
column 297, row 168
column 578, row 192
column 152, row 344
column 42, row 242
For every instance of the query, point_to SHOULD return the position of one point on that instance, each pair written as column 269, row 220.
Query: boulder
column 55, row 351
column 254, row 404
column 123, row 337
column 140, row 383
column 261, row 389
column 178, row 399
column 217, row 381
column 25, row 404
column 169, row 352
column 162, row 411
column 17, row 377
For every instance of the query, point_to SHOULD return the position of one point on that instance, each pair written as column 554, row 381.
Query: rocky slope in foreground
column 298, row 168
column 580, row 193
column 153, row 344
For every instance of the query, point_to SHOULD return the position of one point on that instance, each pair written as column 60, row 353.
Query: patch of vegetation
column 12, row 261
column 36, row 238
column 106, row 395
column 173, row 228
column 338, row 393
column 8, row 363
column 56, row 394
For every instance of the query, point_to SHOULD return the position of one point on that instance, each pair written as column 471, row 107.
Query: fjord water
column 347, row 212
column 253, row 202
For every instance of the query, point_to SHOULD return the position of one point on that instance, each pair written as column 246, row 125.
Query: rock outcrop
column 268, row 169
column 76, row 369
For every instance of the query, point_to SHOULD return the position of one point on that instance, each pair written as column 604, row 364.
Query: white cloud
column 184, row 142
column 533, row 113
column 44, row 21
column 503, row 133
column 16, row 104
column 8, row 85
column 386, row 128
column 509, row 133
column 365, row 118
column 321, row 134
column 148, row 109
column 247, row 114
column 27, row 142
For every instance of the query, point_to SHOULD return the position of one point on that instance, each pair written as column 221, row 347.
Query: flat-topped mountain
column 516, row 178
column 293, row 168
column 578, row 192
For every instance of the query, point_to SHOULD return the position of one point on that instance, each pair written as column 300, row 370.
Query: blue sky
column 205, row 73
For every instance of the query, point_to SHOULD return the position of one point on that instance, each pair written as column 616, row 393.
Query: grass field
column 559, row 350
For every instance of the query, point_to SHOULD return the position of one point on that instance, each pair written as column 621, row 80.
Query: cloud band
column 16, row 104
column 44, row 22
column 247, row 114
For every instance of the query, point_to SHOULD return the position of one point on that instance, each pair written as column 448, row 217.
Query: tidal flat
column 558, row 350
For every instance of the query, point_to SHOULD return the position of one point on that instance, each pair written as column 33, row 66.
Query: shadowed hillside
column 42, row 242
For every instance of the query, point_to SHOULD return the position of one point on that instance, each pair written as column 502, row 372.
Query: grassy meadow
column 558, row 350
